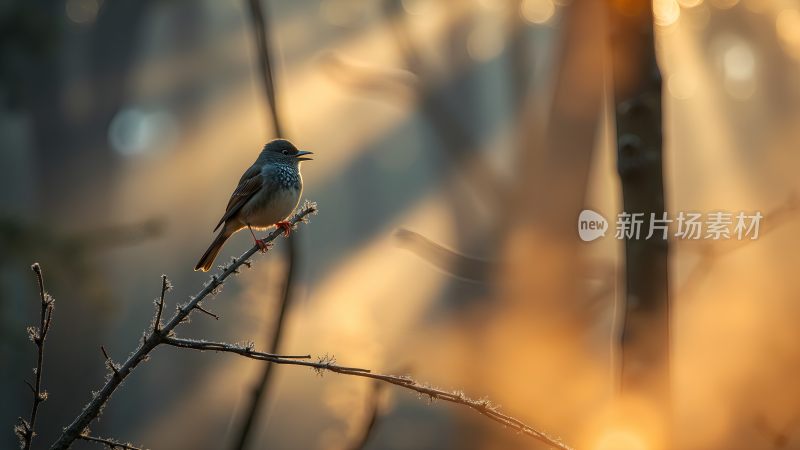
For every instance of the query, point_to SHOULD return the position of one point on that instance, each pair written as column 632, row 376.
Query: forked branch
column 157, row 333
column 323, row 364
column 25, row 428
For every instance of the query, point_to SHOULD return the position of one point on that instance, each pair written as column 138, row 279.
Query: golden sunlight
column 620, row 439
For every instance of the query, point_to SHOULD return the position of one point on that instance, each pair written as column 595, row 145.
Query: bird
column 266, row 195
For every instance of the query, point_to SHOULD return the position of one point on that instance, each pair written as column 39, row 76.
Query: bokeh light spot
column 681, row 86
column 82, row 11
column 739, row 62
column 484, row 42
column 134, row 131
column 537, row 11
column 666, row 12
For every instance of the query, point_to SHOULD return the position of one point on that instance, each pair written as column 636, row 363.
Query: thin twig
column 323, row 364
column 25, row 429
column 261, row 29
column 153, row 339
column 165, row 286
column 207, row 312
column 109, row 362
column 111, row 443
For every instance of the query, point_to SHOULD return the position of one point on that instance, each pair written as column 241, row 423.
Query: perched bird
column 267, row 193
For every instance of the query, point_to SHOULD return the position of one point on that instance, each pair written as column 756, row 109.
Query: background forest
column 456, row 142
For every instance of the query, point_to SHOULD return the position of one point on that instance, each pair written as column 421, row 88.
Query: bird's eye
column 285, row 152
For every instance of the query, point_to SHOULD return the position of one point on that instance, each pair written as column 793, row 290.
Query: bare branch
column 244, row 350
column 323, row 364
column 205, row 311
column 25, row 428
column 165, row 286
column 110, row 443
column 109, row 363
column 165, row 335
column 94, row 407
column 456, row 264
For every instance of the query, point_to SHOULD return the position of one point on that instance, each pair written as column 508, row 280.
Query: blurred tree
column 645, row 335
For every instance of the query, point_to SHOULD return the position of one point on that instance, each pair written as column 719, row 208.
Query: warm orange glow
column 787, row 26
column 620, row 440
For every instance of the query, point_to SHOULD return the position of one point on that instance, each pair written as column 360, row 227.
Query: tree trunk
column 645, row 338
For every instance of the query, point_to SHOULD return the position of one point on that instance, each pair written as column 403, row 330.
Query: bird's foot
column 285, row 226
column 262, row 245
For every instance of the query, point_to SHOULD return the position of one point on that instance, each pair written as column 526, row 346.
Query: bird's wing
column 250, row 183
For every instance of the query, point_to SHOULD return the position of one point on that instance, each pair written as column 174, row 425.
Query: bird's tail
column 207, row 260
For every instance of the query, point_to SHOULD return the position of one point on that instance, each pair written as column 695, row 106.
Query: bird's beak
column 301, row 155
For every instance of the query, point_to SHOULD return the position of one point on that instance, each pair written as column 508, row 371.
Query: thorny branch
column 110, row 364
column 157, row 334
column 110, row 443
column 165, row 286
column 25, row 428
column 323, row 364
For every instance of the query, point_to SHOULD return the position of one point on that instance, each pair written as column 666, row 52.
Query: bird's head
column 284, row 151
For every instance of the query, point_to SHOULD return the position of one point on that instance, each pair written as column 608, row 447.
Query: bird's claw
column 262, row 245
column 285, row 226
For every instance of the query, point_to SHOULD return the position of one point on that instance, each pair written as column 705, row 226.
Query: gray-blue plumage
column 266, row 195
column 285, row 176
